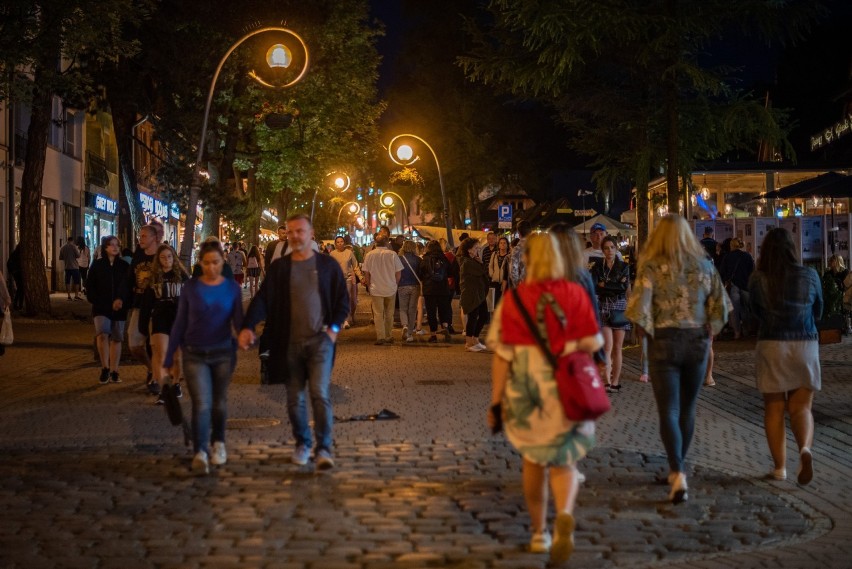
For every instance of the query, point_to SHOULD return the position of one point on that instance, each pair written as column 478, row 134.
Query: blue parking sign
column 504, row 216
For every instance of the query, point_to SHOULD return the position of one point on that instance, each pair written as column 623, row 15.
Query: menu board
column 762, row 226
column 813, row 237
column 841, row 236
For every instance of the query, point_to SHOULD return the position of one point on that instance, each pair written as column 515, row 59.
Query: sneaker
column 409, row 339
column 301, row 455
column 104, row 379
column 678, row 492
column 540, row 542
column 779, row 474
column 200, row 464
column 580, row 477
column 420, row 331
column 476, row 348
column 324, row 460
column 483, row 346
column 563, row 538
column 113, row 377
column 160, row 400
column 446, row 332
column 219, row 455
column 806, row 467
column 153, row 386
column 346, row 325
column 404, row 333
column 177, row 389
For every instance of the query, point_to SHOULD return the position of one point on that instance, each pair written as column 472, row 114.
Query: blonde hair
column 543, row 261
column 672, row 242
column 570, row 247
column 840, row 263
column 444, row 245
column 736, row 244
column 408, row 247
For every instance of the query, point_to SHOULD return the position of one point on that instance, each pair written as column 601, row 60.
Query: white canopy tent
column 430, row 232
column 613, row 227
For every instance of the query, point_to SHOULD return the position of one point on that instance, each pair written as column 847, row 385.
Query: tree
column 631, row 79
column 46, row 48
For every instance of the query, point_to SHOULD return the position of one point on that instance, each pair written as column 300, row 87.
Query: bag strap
column 534, row 329
column 412, row 270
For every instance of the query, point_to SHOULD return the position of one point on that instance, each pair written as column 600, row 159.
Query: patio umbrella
column 808, row 188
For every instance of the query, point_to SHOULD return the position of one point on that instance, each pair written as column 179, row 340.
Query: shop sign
column 160, row 209
column 104, row 204
column 832, row 133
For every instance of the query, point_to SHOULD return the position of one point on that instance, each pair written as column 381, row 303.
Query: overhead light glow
column 279, row 56
column 404, row 152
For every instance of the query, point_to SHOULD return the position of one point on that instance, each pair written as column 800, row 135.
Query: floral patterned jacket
column 690, row 299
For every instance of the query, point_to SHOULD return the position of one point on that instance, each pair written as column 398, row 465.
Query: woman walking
column 158, row 313
column 786, row 299
column 104, row 286
column 473, row 280
column 678, row 302
column 345, row 256
column 209, row 310
column 434, row 273
column 612, row 285
column 85, row 259
column 498, row 269
column 254, row 269
column 408, row 289
column 523, row 385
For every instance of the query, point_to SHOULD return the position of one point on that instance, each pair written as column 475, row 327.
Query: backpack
column 438, row 270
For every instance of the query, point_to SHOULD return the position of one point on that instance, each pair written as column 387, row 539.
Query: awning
column 430, row 232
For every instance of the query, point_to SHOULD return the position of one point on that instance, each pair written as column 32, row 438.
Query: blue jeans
column 310, row 364
column 677, row 361
column 740, row 318
column 208, row 373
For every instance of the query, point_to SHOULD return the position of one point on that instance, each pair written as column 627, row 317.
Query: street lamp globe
column 404, row 152
column 279, row 56
column 387, row 200
column 339, row 183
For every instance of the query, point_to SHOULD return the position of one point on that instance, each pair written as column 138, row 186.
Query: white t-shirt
column 382, row 264
column 592, row 253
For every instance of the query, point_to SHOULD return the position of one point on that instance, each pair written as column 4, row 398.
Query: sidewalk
column 93, row 476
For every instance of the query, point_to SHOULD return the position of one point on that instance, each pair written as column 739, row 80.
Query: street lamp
column 405, row 156
column 388, row 201
column 582, row 194
column 278, row 56
column 338, row 181
column 351, row 207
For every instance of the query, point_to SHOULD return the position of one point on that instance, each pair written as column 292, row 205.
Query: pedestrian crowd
column 188, row 323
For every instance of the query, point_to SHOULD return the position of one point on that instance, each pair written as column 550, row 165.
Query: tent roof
column 432, row 232
column 612, row 226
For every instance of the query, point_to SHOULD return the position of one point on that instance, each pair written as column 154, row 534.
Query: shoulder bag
column 578, row 382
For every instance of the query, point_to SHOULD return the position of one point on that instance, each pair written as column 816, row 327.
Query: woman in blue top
column 210, row 308
column 786, row 299
column 408, row 289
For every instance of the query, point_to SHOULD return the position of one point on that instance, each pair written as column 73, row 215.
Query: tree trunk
column 189, row 227
column 283, row 205
column 210, row 223
column 672, row 178
column 36, row 291
column 642, row 214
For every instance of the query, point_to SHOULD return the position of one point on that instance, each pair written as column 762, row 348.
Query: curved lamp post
column 340, row 182
column 351, row 207
column 277, row 56
column 405, row 156
column 390, row 201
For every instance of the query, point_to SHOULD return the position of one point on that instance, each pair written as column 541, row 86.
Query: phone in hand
column 497, row 412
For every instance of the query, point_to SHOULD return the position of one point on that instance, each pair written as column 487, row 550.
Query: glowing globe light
column 387, row 200
column 353, row 208
column 404, row 152
column 279, row 56
column 339, row 183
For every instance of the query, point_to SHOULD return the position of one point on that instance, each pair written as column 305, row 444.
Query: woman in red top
column 523, row 383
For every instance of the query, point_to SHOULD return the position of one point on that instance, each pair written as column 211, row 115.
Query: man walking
column 709, row 243
column 275, row 250
column 237, row 260
column 517, row 269
column 346, row 259
column 139, row 279
column 382, row 271
column 596, row 235
column 70, row 255
column 304, row 301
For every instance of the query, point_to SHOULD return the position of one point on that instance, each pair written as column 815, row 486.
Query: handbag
column 617, row 318
column 6, row 334
column 578, row 382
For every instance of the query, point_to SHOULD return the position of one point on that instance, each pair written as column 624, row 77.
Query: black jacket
column 106, row 283
column 610, row 283
column 437, row 266
column 270, row 250
column 272, row 305
column 737, row 267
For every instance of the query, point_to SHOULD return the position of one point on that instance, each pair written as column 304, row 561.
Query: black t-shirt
column 141, row 271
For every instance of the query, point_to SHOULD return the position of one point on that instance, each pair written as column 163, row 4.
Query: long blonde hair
column 570, row 248
column 672, row 242
column 543, row 260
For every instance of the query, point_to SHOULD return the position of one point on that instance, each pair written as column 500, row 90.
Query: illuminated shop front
column 100, row 216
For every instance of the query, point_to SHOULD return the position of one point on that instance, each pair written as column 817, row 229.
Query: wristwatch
column 334, row 328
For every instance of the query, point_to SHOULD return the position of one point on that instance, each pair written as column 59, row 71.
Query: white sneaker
column 779, row 474
column 420, row 332
column 301, row 455
column 540, row 542
column 580, row 477
column 483, row 346
column 476, row 348
column 410, row 338
column 346, row 325
column 199, row 463
column 404, row 333
column 219, row 455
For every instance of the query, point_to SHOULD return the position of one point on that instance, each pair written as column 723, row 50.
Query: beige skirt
column 783, row 366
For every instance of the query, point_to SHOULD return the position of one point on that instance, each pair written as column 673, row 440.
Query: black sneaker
column 113, row 376
column 104, row 379
column 177, row 389
column 153, row 387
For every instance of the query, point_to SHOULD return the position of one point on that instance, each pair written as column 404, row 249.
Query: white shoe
column 410, row 338
column 420, row 332
column 580, row 477
column 219, row 455
column 199, row 463
column 779, row 474
column 404, row 333
column 540, row 542
column 346, row 325
column 476, row 348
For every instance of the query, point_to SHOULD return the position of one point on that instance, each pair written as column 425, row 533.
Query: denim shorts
column 115, row 328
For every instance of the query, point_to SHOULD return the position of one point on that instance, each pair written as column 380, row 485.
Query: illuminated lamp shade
column 339, row 183
column 404, row 152
column 705, row 193
column 279, row 56
column 353, row 208
column 387, row 200
column 728, row 209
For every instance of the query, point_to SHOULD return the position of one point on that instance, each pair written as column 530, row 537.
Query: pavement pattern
column 95, row 476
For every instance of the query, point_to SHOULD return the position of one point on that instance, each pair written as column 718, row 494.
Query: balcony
column 96, row 170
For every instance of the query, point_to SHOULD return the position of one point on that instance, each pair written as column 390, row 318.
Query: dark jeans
column 677, row 361
column 310, row 365
column 476, row 320
column 439, row 310
column 208, row 373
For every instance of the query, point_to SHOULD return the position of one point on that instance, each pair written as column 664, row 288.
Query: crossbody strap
column 412, row 270
column 534, row 329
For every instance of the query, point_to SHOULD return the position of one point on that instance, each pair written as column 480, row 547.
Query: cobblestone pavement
column 93, row 476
